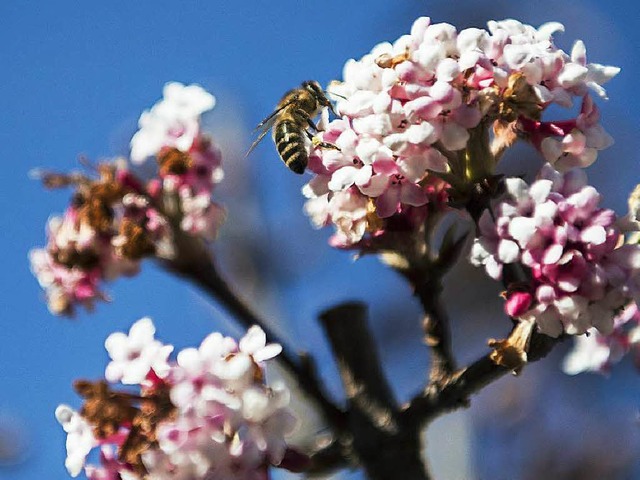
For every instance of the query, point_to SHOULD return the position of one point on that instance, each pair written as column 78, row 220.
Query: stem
column 426, row 279
column 469, row 380
column 437, row 333
column 383, row 443
column 193, row 261
column 480, row 160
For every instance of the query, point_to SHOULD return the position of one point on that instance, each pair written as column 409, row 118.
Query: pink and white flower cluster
column 405, row 104
column 88, row 244
column 579, row 275
column 596, row 352
column 118, row 219
column 225, row 422
column 175, row 123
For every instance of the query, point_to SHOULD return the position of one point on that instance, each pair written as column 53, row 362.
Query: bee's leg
column 304, row 116
column 314, row 140
column 319, row 143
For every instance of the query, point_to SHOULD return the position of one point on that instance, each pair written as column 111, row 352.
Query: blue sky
column 76, row 76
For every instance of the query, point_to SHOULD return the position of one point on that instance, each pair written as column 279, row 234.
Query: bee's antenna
column 335, row 94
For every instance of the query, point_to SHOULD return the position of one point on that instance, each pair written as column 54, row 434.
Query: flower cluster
column 407, row 106
column 208, row 414
column 189, row 163
column 595, row 352
column 105, row 232
column 116, row 220
column 579, row 275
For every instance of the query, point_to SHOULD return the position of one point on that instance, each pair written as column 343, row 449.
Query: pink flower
column 116, row 220
column 596, row 352
column 571, row 143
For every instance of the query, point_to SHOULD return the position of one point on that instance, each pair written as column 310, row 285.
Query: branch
column 425, row 274
column 329, row 458
column 426, row 277
column 469, row 380
column 382, row 443
column 194, row 262
column 437, row 333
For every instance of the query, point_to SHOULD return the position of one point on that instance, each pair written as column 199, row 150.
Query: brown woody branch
column 436, row 329
column 381, row 442
column 469, row 380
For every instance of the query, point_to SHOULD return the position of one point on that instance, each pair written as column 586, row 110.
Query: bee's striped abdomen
column 290, row 145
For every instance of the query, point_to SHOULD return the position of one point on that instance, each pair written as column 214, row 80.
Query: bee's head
column 318, row 93
column 316, row 90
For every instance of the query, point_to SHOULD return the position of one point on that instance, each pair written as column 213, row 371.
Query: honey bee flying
column 291, row 121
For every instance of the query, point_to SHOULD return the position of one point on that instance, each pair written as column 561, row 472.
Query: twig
column 469, row 380
column 437, row 333
column 193, row 261
column 330, row 458
column 426, row 278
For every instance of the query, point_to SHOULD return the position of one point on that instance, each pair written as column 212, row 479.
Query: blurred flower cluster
column 115, row 219
column 596, row 352
column 208, row 414
column 599, row 351
column 580, row 274
column 411, row 109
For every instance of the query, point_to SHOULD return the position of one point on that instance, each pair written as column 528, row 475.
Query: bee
column 291, row 121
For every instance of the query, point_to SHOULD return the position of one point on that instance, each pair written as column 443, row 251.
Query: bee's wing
column 264, row 126
column 267, row 122
column 264, row 131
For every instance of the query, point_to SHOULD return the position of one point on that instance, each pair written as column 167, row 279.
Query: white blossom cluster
column 224, row 422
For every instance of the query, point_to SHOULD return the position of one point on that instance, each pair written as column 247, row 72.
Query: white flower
column 80, row 438
column 172, row 122
column 588, row 354
column 133, row 356
column 254, row 343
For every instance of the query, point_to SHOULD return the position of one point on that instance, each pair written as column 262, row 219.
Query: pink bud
column 517, row 303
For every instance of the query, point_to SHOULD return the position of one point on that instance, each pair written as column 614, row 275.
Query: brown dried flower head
column 172, row 161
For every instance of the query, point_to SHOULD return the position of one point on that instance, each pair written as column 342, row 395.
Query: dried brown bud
column 511, row 352
column 98, row 197
column 505, row 135
column 387, row 61
column 105, row 409
column 173, row 162
column 133, row 241
column 85, row 259
column 374, row 222
column 108, row 411
column 518, row 99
